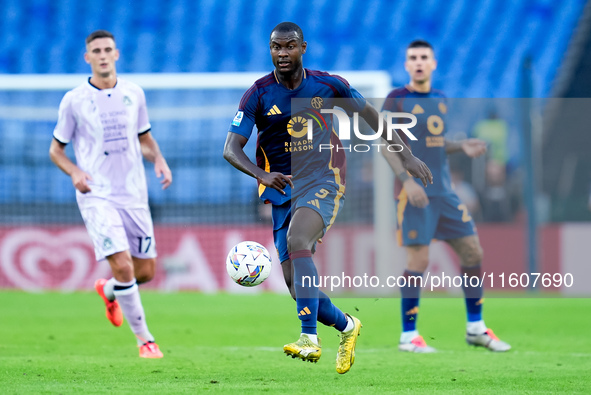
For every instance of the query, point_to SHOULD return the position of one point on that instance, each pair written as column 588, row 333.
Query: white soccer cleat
column 417, row 345
column 489, row 340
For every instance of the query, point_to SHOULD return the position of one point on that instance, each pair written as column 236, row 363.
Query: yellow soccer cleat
column 304, row 349
column 346, row 353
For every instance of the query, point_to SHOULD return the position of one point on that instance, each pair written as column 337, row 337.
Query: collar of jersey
column 291, row 90
column 411, row 90
column 99, row 89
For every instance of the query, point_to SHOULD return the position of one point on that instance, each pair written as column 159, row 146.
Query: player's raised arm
column 415, row 166
column 57, row 153
column 234, row 153
column 151, row 151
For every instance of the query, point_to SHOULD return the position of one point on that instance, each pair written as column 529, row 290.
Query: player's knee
column 122, row 271
column 121, row 266
column 478, row 255
column 144, row 276
column 473, row 256
column 417, row 258
column 144, row 273
column 298, row 243
column 418, row 265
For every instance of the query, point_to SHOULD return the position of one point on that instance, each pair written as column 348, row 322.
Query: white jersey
column 104, row 126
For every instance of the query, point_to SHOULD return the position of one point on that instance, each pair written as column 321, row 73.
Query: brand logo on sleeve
column 238, row 118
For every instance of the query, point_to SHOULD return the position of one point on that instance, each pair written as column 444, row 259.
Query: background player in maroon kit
column 435, row 212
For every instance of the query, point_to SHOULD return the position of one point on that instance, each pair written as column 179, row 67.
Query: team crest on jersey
column 126, row 100
column 238, row 119
column 107, row 244
column 317, row 102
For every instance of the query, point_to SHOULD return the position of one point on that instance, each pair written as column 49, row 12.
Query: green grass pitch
column 62, row 343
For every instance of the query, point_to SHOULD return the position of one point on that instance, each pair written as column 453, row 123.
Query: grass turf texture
column 62, row 343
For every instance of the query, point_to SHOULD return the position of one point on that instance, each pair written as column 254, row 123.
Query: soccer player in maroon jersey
column 306, row 186
column 435, row 212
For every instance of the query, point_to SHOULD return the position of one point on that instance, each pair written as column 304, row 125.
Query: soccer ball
column 248, row 263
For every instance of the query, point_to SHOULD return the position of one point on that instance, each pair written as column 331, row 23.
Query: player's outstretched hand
column 276, row 181
column 79, row 179
column 162, row 170
column 416, row 195
column 474, row 147
column 418, row 169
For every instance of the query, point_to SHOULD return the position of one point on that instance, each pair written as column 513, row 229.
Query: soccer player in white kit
column 107, row 120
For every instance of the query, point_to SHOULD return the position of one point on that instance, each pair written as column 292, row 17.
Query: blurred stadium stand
column 567, row 164
column 480, row 46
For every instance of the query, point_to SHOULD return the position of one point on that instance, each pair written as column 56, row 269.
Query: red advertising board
column 193, row 257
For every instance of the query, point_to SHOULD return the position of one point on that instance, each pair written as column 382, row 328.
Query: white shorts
column 114, row 230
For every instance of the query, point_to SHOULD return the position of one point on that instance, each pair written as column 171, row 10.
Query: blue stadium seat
column 38, row 142
column 219, row 184
column 25, row 185
column 187, row 187
column 247, row 187
column 13, row 135
column 8, row 183
column 61, row 188
column 155, row 193
column 42, row 189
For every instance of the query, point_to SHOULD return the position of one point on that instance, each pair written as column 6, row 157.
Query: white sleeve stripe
column 144, row 129
column 61, row 139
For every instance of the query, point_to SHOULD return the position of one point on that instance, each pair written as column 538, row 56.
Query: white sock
column 144, row 337
column 313, row 338
column 108, row 288
column 476, row 327
column 128, row 296
column 350, row 324
column 406, row 337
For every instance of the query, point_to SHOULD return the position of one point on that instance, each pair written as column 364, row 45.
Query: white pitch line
column 379, row 350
